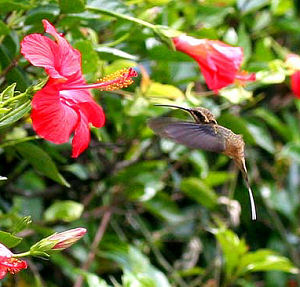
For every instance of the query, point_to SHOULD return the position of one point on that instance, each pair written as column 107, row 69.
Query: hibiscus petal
column 4, row 251
column 218, row 61
column 40, row 51
column 234, row 55
column 220, row 65
column 295, row 84
column 85, row 101
column 3, row 271
column 81, row 137
column 52, row 118
column 58, row 58
column 13, row 265
column 68, row 59
column 94, row 113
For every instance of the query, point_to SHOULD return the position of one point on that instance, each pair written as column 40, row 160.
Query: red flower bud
column 67, row 238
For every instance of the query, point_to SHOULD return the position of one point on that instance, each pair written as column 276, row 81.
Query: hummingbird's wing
column 192, row 135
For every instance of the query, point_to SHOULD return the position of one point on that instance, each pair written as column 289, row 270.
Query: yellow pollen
column 118, row 80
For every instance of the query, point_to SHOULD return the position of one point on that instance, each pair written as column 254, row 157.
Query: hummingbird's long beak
column 173, row 106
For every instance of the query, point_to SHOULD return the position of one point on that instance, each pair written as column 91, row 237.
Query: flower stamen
column 118, row 80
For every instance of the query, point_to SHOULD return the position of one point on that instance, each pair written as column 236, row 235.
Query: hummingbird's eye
column 200, row 117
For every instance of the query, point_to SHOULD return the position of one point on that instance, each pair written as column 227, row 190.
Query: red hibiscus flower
column 219, row 62
column 293, row 62
column 65, row 105
column 8, row 263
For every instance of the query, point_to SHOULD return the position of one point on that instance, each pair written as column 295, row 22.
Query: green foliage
column 198, row 190
column 240, row 262
column 157, row 213
column 41, row 161
column 63, row 210
column 9, row 240
column 136, row 267
column 67, row 6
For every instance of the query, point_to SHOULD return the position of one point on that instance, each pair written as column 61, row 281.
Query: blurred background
column 166, row 215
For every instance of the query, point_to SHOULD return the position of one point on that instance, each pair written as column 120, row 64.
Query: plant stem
column 121, row 16
column 13, row 63
column 27, row 253
column 116, row 42
column 98, row 237
column 162, row 261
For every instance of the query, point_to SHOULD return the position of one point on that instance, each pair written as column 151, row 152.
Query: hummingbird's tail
column 242, row 165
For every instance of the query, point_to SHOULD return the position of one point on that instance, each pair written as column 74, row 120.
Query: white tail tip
column 252, row 204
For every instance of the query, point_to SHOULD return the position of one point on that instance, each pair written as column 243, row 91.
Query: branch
column 98, row 237
column 13, row 64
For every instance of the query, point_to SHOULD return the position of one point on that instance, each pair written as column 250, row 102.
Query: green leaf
column 89, row 58
column 286, row 202
column 67, row 210
column 159, row 91
column 236, row 94
column 4, row 30
column 262, row 20
column 273, row 121
column 291, row 152
column 29, row 206
column 72, row 6
column 199, row 191
column 248, row 6
column 118, row 65
column 79, row 170
column 15, row 114
column 93, row 280
column 11, row 5
column 21, row 223
column 232, row 247
column 262, row 137
column 9, row 240
column 4, row 110
column 163, row 207
column 212, row 16
column 117, row 6
column 265, row 260
column 8, row 92
column 41, row 161
column 36, row 15
column 244, row 41
column 274, row 75
column 215, row 178
column 116, row 53
column 9, row 49
column 137, row 268
column 280, row 7
column 158, row 2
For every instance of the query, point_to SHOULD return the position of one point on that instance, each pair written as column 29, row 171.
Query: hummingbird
column 206, row 134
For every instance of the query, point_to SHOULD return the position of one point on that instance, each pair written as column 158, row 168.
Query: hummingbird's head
column 202, row 116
